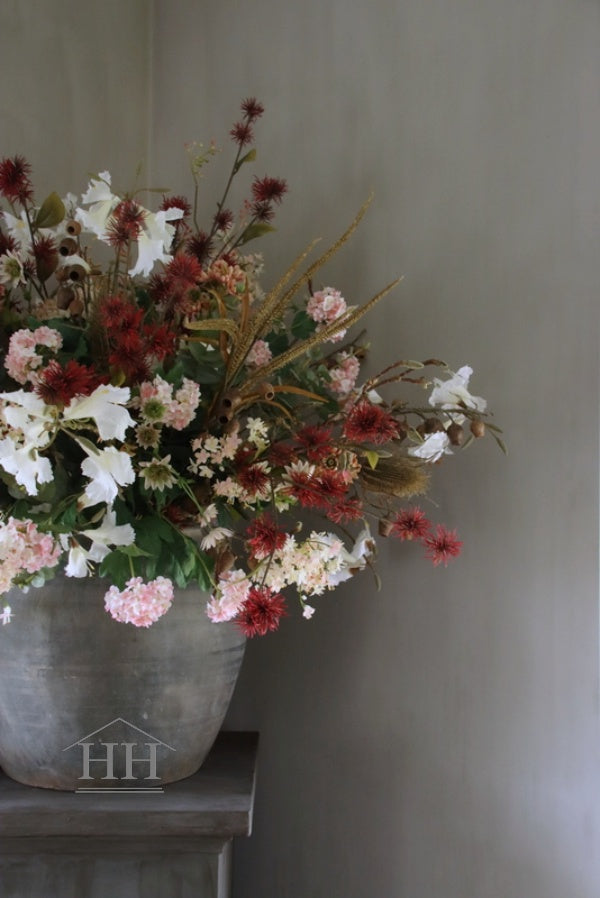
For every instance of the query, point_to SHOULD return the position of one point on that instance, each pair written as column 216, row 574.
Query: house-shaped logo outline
column 127, row 723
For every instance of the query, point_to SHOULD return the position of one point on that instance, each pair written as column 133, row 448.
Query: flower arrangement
column 163, row 421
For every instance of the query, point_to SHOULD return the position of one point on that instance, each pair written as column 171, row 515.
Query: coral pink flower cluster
column 140, row 603
column 22, row 359
column 326, row 306
column 159, row 406
column 23, row 549
column 345, row 374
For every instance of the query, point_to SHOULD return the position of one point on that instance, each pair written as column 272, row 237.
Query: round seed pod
column 67, row 247
column 73, row 228
column 477, row 428
column 456, row 433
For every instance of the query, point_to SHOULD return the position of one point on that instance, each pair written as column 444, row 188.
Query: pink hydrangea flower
column 326, row 306
column 259, row 355
column 24, row 549
column 344, row 375
column 231, row 593
column 140, row 603
column 22, row 360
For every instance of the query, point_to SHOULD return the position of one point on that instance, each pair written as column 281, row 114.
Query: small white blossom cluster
column 159, row 407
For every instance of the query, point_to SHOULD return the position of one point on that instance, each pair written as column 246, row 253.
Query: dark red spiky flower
column 442, row 546
column 368, row 423
column 15, row 183
column 261, row 612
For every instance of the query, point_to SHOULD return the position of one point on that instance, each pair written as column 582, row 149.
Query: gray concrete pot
column 86, row 702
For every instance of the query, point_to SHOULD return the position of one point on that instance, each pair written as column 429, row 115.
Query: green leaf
column 249, row 157
column 50, row 213
column 372, row 457
column 258, row 229
column 133, row 551
column 116, row 568
column 303, row 325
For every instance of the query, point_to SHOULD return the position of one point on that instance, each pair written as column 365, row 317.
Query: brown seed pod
column 456, row 433
column 67, row 247
column 73, row 228
column 477, row 428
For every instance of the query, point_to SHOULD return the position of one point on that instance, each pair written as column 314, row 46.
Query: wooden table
column 171, row 844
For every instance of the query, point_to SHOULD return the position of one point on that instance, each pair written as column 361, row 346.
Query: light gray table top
column 216, row 802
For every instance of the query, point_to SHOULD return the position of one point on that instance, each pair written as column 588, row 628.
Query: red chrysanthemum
column 15, row 183
column 368, row 423
column 345, row 511
column 303, row 488
column 264, row 537
column 252, row 109
column 253, row 479
column 316, row 442
column 442, row 545
column 331, row 487
column 57, row 385
column 261, row 612
column 411, row 524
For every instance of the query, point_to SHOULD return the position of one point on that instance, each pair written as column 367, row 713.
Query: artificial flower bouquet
column 165, row 422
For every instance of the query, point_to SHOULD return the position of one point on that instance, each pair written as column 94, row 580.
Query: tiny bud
column 477, row 428
column 456, row 434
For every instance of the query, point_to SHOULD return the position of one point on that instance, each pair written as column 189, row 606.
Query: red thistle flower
column 368, row 423
column 7, row 242
column 252, row 109
column 176, row 202
column 303, row 487
column 183, row 272
column 200, row 246
column 223, row 219
column 125, row 223
column 264, row 537
column 411, row 524
column 263, row 211
column 281, row 454
column 46, row 257
column 261, row 612
column 58, row 385
column 254, row 479
column 331, row 487
column 316, row 442
column 242, row 133
column 345, row 511
column 113, row 311
column 160, row 341
column 15, row 183
column 268, row 190
column 442, row 545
